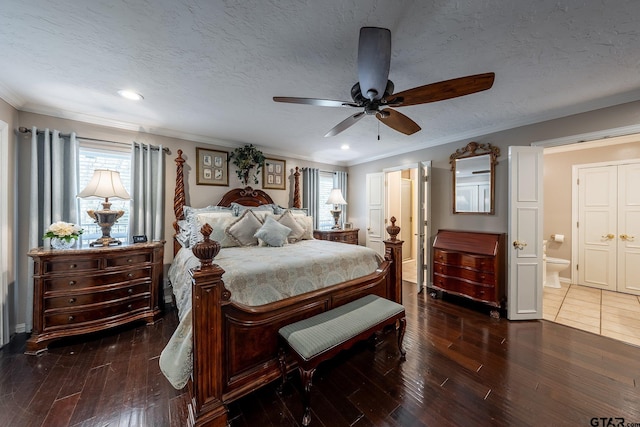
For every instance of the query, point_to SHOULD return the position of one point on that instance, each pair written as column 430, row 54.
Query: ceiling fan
column 373, row 93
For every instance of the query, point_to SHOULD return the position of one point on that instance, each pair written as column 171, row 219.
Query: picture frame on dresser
column 274, row 174
column 212, row 167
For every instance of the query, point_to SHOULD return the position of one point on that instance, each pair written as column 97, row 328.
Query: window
column 90, row 159
column 325, row 219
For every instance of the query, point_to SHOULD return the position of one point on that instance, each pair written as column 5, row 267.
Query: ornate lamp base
column 336, row 219
column 105, row 218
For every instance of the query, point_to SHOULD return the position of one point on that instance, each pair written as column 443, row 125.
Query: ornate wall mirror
column 474, row 178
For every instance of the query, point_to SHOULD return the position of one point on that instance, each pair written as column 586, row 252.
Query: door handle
column 627, row 238
column 612, row 236
column 519, row 245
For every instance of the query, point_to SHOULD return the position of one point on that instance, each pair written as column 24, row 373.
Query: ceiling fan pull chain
column 378, row 130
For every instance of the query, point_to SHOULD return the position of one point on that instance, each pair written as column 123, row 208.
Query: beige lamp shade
column 105, row 184
column 335, row 198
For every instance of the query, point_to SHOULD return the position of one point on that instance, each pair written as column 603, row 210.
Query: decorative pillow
column 243, row 229
column 219, row 221
column 195, row 221
column 273, row 233
column 307, row 223
column 190, row 225
column 297, row 231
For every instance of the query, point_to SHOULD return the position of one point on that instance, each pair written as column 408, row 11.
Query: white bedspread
column 258, row 275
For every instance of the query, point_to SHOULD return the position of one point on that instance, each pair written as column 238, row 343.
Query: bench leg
column 401, row 329
column 305, row 376
column 282, row 357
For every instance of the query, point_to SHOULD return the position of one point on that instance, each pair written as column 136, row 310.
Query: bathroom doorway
column 599, row 311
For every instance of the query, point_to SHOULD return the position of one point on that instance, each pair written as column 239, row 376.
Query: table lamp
column 336, row 199
column 105, row 184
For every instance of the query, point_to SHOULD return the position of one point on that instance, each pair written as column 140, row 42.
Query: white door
column 597, row 229
column 375, row 212
column 524, row 289
column 423, row 227
column 406, row 217
column 5, row 247
column 629, row 229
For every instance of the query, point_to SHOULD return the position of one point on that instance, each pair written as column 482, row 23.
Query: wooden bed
column 235, row 348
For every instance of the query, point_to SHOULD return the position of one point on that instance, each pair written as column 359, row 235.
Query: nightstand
column 344, row 236
column 77, row 291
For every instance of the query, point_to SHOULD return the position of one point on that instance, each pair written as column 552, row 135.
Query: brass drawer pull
column 73, row 265
column 129, row 307
column 130, row 291
column 71, row 318
column 72, row 300
column 130, row 275
column 72, row 282
column 129, row 260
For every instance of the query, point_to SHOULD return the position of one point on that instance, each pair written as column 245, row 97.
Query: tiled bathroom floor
column 606, row 313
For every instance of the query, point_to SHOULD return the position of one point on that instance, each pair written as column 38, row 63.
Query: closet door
column 629, row 229
column 597, row 227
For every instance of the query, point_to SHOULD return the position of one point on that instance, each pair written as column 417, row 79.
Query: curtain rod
column 23, row 129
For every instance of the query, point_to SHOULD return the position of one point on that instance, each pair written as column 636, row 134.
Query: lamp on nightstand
column 105, row 184
column 336, row 199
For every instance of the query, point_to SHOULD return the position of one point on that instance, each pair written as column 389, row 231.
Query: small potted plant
column 63, row 235
column 246, row 158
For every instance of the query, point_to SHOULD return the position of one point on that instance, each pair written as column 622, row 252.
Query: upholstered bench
column 319, row 338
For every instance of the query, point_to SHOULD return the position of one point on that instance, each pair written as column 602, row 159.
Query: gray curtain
column 54, row 185
column 310, row 193
column 340, row 181
column 147, row 191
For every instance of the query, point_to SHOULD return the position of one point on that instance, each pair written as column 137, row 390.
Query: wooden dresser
column 470, row 264
column 344, row 236
column 84, row 290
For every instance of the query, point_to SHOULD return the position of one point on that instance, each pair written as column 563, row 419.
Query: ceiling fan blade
column 343, row 125
column 314, row 101
column 374, row 56
column 445, row 90
column 398, row 121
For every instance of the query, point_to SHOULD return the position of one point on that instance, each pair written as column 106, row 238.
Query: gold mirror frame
column 471, row 150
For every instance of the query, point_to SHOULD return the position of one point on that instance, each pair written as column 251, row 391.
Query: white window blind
column 324, row 211
column 90, row 159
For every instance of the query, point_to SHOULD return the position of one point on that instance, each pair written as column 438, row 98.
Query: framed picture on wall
column 212, row 167
column 274, row 174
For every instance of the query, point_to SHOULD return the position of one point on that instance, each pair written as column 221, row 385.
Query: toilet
column 553, row 266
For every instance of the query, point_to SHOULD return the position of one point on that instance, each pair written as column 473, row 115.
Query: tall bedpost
column 178, row 198
column 208, row 297
column 393, row 251
column 296, row 189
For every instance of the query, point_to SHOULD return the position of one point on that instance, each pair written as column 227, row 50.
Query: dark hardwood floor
column 463, row 368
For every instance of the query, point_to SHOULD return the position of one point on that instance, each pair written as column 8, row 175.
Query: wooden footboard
column 235, row 347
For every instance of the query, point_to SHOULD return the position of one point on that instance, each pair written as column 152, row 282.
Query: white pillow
column 297, row 231
column 219, row 221
column 243, row 229
column 273, row 233
column 307, row 223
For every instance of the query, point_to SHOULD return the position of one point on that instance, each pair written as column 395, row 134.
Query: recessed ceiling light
column 129, row 94
column 344, row 147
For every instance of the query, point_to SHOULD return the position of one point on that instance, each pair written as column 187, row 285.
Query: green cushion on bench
column 312, row 336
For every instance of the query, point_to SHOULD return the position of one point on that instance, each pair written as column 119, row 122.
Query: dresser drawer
column 478, row 262
column 110, row 295
column 129, row 259
column 99, row 313
column 444, row 257
column 70, row 265
column 464, row 288
column 77, row 281
column 482, row 277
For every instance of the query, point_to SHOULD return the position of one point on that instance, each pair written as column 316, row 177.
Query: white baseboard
column 20, row 328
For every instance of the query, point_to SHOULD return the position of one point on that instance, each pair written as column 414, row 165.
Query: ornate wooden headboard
column 245, row 196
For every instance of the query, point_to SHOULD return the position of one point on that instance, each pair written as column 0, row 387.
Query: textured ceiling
column 208, row 69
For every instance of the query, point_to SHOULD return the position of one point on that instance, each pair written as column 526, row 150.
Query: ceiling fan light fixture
column 344, row 147
column 130, row 94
